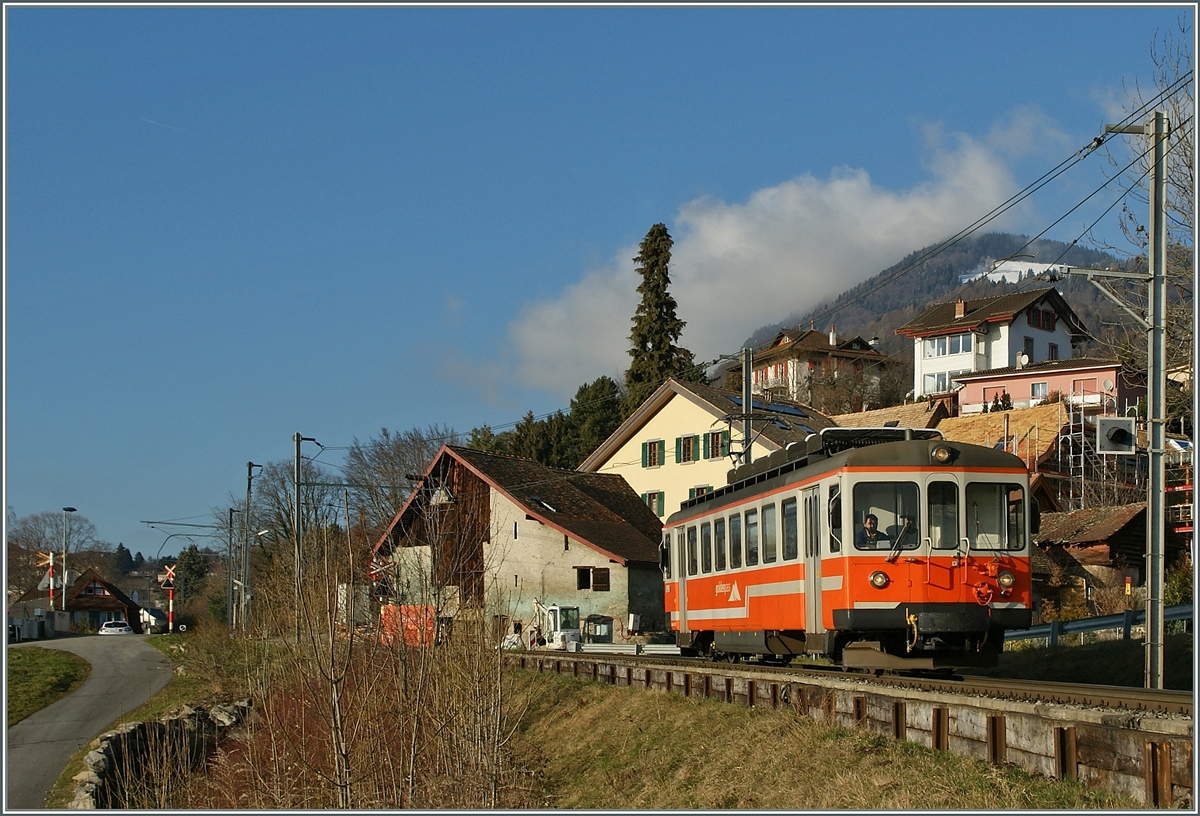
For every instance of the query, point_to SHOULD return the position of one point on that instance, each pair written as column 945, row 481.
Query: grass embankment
column 1106, row 663
column 38, row 677
column 604, row 747
column 597, row 746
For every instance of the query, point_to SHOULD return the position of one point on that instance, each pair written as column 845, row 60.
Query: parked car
column 115, row 628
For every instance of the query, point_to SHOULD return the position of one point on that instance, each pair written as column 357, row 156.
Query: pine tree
column 595, row 414
column 656, row 327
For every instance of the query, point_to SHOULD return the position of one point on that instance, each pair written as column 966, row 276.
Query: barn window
column 583, row 577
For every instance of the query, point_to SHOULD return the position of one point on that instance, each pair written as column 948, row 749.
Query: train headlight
column 879, row 579
column 942, row 454
column 1006, row 580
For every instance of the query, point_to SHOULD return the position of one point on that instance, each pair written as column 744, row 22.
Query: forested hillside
column 874, row 310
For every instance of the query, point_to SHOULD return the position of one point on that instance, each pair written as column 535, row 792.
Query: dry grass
column 1110, row 663
column 603, row 747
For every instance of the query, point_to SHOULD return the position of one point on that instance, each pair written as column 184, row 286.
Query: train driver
column 869, row 537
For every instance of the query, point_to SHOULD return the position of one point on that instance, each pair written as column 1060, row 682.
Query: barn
column 491, row 532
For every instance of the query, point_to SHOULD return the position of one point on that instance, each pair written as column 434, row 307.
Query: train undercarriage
column 889, row 649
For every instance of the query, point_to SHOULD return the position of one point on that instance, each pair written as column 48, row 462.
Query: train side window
column 835, row 519
column 751, row 538
column 943, row 515
column 664, row 556
column 735, row 541
column 693, row 564
column 791, row 540
column 706, row 548
column 719, row 543
column 770, row 535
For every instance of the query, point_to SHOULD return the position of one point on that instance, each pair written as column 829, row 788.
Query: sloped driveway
column 126, row 672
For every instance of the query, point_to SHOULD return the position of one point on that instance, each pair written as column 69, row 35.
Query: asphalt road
column 126, row 672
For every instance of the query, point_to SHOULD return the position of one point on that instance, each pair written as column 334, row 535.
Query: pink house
column 1099, row 385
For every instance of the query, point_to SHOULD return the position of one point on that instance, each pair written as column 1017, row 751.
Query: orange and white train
column 778, row 563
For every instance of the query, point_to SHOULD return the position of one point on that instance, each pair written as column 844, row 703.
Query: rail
column 1125, row 622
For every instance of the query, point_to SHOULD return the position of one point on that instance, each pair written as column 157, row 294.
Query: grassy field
column 37, row 677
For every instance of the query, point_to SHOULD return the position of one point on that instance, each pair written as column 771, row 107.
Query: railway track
column 1124, row 698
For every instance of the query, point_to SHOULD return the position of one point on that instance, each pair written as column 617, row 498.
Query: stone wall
column 142, row 760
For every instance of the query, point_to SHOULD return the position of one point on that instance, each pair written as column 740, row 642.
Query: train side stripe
column 756, row 591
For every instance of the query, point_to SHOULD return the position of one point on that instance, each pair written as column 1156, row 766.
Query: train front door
column 811, row 502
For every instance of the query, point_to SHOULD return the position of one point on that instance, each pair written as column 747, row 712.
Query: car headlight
column 1006, row 580
column 879, row 579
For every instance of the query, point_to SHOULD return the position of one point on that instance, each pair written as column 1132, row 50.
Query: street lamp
column 64, row 558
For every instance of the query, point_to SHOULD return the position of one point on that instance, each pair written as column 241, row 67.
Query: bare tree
column 44, row 532
column 380, row 467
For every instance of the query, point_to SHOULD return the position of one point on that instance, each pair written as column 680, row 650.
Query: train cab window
column 897, row 517
column 706, row 548
column 770, row 535
column 735, row 542
column 995, row 516
column 791, row 535
column 835, row 519
column 719, row 543
column 693, row 563
column 751, row 538
column 943, row 515
column 664, row 556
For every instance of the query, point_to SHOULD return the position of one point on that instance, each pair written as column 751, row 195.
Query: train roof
column 850, row 447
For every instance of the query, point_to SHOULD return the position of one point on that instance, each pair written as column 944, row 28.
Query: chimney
column 832, row 335
column 960, row 309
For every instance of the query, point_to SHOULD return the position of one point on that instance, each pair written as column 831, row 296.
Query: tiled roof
column 1046, row 366
column 795, row 342
column 940, row 319
column 1087, row 526
column 1036, row 429
column 913, row 415
column 599, row 510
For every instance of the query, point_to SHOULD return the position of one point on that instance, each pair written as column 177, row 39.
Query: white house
column 681, row 441
column 996, row 332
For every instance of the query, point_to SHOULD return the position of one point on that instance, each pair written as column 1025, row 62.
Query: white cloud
column 736, row 267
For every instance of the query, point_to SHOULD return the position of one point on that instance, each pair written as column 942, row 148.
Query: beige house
column 681, row 442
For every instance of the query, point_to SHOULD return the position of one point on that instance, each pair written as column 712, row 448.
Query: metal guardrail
column 1125, row 622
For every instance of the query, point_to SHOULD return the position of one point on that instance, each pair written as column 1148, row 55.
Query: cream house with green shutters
column 683, row 440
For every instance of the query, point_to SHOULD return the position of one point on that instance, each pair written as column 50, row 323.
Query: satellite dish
column 1108, row 384
column 1022, row 360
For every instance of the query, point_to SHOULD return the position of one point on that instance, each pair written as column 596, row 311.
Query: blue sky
column 225, row 225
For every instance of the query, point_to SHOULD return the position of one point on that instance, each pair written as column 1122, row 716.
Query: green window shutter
column 644, row 498
column 724, row 443
column 705, row 452
column 695, row 446
column 678, row 449
column 662, row 453
column 661, row 503
column 645, row 456
column 691, row 492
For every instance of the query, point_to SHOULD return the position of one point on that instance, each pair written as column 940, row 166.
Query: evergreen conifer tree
column 656, row 327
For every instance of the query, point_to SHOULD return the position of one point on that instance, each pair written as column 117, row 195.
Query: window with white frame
column 1038, row 390
column 954, row 344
